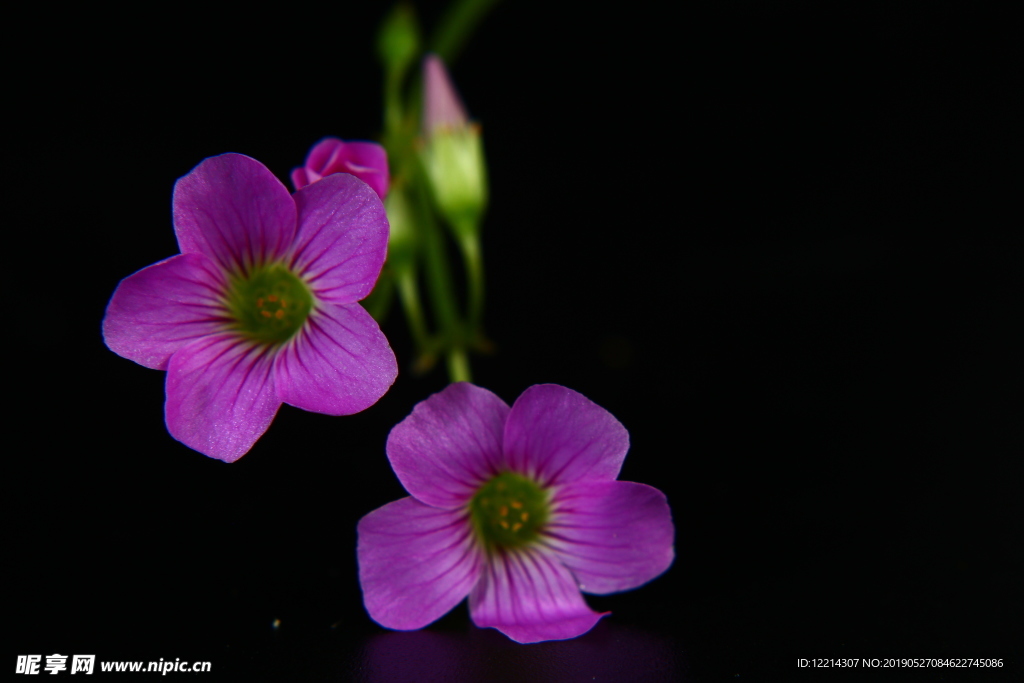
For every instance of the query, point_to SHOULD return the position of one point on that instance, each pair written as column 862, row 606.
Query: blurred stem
column 398, row 47
column 378, row 303
column 393, row 103
column 401, row 121
column 408, row 292
column 439, row 283
column 469, row 243
column 456, row 26
column 458, row 366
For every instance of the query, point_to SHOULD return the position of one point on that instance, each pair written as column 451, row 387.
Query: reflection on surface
column 609, row 652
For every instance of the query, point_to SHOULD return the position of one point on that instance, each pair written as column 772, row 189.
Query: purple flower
column 365, row 160
column 260, row 307
column 517, row 508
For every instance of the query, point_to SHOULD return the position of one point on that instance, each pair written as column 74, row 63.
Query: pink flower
column 517, row 508
column 365, row 160
column 260, row 307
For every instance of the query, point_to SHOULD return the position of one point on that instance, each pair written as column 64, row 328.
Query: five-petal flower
column 260, row 308
column 518, row 508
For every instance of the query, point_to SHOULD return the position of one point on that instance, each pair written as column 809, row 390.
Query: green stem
column 410, row 296
column 378, row 303
column 439, row 283
column 458, row 366
column 456, row 26
column 392, row 104
column 469, row 242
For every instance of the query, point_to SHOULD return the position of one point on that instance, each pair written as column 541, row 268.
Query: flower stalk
column 436, row 162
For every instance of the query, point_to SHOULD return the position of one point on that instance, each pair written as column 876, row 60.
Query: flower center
column 509, row 511
column 269, row 304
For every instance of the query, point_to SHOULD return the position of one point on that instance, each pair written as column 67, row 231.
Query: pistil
column 509, row 511
column 270, row 304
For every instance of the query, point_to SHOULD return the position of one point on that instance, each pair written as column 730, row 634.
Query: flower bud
column 452, row 153
column 398, row 41
column 365, row 160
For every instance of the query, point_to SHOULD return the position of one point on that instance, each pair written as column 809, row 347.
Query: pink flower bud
column 442, row 108
column 365, row 160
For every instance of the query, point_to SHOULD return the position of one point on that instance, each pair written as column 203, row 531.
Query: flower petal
column 368, row 161
column 300, row 178
column 160, row 309
column 342, row 238
column 613, row 535
column 530, row 596
column 442, row 107
column 449, row 445
column 338, row 364
column 416, row 562
column 232, row 209
column 220, row 395
column 324, row 155
column 557, row 435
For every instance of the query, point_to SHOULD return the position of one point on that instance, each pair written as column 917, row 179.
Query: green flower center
column 269, row 303
column 509, row 511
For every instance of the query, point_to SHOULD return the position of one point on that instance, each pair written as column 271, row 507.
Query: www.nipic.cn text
column 32, row 665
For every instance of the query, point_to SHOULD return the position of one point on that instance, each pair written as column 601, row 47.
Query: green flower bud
column 398, row 41
column 452, row 152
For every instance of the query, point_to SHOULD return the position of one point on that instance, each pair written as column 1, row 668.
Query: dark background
column 780, row 244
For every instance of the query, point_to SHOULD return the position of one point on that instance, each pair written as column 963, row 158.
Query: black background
column 780, row 244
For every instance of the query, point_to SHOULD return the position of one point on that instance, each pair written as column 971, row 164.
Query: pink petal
column 342, row 238
column 557, row 435
column 613, row 535
column 323, row 155
column 368, row 161
column 416, row 562
column 160, row 309
column 442, row 107
column 530, row 596
column 220, row 395
column 299, row 178
column 449, row 445
column 338, row 364
column 232, row 209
